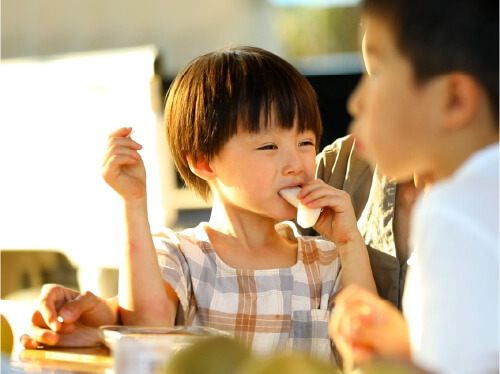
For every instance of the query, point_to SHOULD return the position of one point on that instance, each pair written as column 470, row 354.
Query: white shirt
column 451, row 298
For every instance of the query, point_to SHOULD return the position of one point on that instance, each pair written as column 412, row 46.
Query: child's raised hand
column 337, row 220
column 122, row 166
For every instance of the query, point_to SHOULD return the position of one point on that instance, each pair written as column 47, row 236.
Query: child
column 429, row 106
column 242, row 125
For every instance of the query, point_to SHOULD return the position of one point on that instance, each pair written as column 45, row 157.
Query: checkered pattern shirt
column 270, row 310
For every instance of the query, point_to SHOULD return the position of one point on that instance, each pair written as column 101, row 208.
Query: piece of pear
column 306, row 217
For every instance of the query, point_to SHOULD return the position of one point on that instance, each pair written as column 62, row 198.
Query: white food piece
column 290, row 195
column 306, row 217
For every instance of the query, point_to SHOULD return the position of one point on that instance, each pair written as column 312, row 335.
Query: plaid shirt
column 270, row 310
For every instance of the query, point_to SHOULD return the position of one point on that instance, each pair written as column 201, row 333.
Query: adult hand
column 65, row 317
column 364, row 326
column 122, row 166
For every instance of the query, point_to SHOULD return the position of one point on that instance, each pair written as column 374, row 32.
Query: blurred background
column 72, row 71
column 299, row 30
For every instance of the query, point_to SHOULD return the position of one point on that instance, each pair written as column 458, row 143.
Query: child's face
column 252, row 168
column 394, row 117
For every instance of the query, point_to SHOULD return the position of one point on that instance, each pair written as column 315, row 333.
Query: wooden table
column 65, row 360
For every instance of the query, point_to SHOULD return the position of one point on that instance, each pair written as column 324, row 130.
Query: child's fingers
column 354, row 294
column 327, row 197
column 339, row 204
column 45, row 315
column 347, row 302
column 112, row 166
column 71, row 311
column 352, row 323
column 121, row 133
column 28, row 342
column 315, row 189
column 38, row 336
column 120, row 151
column 310, row 186
column 121, row 139
column 126, row 142
column 339, row 331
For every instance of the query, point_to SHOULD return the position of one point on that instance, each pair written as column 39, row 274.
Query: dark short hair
column 232, row 90
column 444, row 36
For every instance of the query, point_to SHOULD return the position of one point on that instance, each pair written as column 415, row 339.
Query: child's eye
column 306, row 143
column 268, row 147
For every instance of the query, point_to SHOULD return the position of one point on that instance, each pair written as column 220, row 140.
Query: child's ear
column 201, row 167
column 463, row 99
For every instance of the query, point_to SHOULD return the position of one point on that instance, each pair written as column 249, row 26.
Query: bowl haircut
column 235, row 89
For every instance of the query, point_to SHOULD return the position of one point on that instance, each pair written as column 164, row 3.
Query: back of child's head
column 231, row 90
column 445, row 36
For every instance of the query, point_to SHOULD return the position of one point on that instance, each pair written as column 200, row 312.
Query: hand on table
column 81, row 315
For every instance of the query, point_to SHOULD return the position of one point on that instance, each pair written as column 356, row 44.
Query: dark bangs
column 255, row 86
column 272, row 89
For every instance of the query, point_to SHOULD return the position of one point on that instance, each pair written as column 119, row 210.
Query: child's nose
column 354, row 103
column 293, row 163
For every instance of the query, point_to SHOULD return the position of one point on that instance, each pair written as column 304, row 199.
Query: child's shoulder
column 481, row 169
column 165, row 237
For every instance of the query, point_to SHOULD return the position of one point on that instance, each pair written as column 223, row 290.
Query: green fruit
column 293, row 363
column 6, row 336
column 214, row 355
column 389, row 367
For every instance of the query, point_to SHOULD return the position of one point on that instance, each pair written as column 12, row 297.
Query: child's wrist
column 135, row 202
column 348, row 238
column 348, row 244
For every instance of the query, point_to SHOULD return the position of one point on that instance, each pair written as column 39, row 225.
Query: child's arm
column 144, row 298
column 337, row 222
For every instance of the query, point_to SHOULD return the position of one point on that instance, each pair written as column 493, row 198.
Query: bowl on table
column 149, row 349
